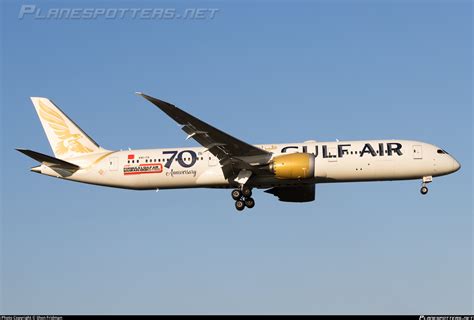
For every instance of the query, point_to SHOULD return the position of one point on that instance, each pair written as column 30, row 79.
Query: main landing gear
column 424, row 188
column 243, row 198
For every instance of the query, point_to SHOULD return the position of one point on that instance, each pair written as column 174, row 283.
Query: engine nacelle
column 293, row 166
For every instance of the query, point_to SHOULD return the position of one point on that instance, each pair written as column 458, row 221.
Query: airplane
column 288, row 171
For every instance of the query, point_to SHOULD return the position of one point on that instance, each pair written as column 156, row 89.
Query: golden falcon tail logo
column 69, row 142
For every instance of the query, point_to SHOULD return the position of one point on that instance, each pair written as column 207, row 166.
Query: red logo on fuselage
column 143, row 168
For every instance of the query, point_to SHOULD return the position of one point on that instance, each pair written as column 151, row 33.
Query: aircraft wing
column 232, row 153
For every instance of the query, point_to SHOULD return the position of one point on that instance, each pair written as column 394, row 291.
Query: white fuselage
column 341, row 161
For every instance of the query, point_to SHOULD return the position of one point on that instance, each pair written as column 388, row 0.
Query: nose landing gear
column 424, row 188
column 243, row 198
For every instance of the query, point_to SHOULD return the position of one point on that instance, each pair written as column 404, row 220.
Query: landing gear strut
column 424, row 188
column 243, row 198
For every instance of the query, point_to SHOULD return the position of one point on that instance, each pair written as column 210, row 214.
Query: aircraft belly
column 211, row 177
column 415, row 168
column 377, row 169
column 112, row 179
column 142, row 178
column 360, row 170
column 175, row 179
column 352, row 170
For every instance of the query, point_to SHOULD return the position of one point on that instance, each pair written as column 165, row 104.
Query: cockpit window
column 440, row 151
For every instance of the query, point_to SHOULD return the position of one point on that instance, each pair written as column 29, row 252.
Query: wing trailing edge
column 233, row 154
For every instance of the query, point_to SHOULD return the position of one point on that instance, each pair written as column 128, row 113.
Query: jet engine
column 293, row 166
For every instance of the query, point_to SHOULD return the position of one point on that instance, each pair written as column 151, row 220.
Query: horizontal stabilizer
column 49, row 161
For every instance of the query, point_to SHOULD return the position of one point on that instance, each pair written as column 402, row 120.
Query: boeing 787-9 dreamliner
column 288, row 171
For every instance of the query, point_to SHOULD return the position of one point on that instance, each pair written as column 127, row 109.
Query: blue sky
column 264, row 72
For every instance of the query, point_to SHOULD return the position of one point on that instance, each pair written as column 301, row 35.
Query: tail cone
column 36, row 169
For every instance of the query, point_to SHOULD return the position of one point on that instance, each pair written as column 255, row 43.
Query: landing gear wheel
column 236, row 194
column 247, row 192
column 424, row 190
column 249, row 203
column 239, row 205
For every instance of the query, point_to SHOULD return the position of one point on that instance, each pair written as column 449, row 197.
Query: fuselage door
column 417, row 152
column 113, row 163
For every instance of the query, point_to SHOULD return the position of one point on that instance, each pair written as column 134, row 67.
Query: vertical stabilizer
column 66, row 138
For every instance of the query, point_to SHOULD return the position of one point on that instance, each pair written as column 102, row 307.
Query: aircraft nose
column 456, row 165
